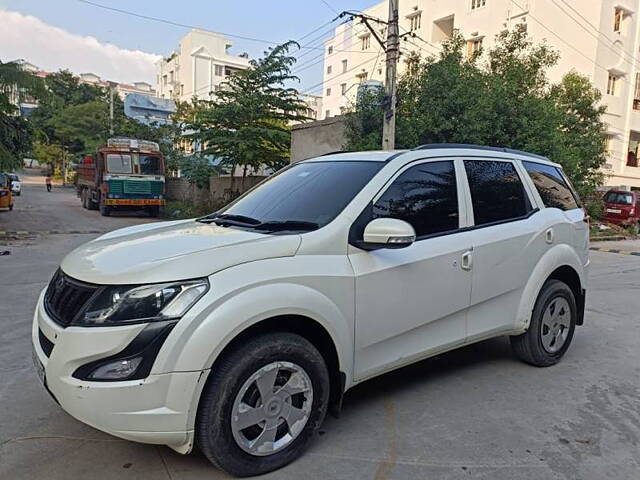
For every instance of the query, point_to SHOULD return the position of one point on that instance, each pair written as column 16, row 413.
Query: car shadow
column 430, row 370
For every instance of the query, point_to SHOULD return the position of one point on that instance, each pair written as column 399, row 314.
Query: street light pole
column 389, row 125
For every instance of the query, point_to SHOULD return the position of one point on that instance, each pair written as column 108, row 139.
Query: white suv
column 237, row 331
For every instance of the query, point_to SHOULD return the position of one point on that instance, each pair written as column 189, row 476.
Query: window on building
column 424, row 196
column 365, row 42
column 327, row 113
column 343, row 88
column 636, row 95
column 617, row 20
column 328, row 92
column 171, row 76
column 344, row 66
column 329, row 69
column 218, row 70
column 361, row 77
column 330, row 50
column 164, row 79
column 474, row 46
column 343, row 110
column 182, row 89
column 612, row 84
column 414, row 21
column 497, row 193
column 551, row 185
column 477, row 4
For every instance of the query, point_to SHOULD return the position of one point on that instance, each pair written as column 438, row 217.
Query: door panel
column 503, row 258
column 410, row 302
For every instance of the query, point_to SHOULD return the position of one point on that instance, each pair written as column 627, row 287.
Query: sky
column 58, row 34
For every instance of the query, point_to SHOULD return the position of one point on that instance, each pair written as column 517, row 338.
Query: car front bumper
column 152, row 410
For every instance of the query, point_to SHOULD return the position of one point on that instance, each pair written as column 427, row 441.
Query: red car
column 622, row 207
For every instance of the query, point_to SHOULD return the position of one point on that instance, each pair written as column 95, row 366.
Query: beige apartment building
column 597, row 38
column 198, row 67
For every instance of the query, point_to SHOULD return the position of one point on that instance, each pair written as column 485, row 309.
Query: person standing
column 48, row 182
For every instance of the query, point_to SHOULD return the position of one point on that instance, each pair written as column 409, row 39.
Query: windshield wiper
column 283, row 225
column 229, row 219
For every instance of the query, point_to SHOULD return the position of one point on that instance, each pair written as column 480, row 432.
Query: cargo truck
column 124, row 174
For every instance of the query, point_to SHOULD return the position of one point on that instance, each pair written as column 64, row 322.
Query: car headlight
column 123, row 305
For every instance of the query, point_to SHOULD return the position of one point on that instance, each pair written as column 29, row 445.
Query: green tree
column 247, row 123
column 15, row 132
column 505, row 100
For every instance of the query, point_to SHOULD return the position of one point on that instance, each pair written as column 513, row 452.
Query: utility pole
column 389, row 126
column 111, row 109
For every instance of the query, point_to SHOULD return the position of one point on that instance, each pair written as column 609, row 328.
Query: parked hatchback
column 237, row 331
column 622, row 207
column 16, row 184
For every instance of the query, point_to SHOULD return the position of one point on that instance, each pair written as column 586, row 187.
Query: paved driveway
column 473, row 413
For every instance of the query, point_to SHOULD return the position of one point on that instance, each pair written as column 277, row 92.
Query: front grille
column 137, row 187
column 115, row 187
column 66, row 297
column 157, row 188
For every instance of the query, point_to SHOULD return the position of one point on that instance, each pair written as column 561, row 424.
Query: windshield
column 149, row 165
column 303, row 197
column 619, row 198
column 117, row 163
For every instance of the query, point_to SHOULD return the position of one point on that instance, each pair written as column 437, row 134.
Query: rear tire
column 551, row 329
column 294, row 388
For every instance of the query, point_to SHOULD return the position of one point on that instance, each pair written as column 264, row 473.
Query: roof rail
column 333, row 153
column 431, row 146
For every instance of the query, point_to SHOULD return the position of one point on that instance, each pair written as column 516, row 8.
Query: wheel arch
column 560, row 263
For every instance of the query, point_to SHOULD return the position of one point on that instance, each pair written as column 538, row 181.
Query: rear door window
column 552, row 186
column 425, row 196
column 497, row 193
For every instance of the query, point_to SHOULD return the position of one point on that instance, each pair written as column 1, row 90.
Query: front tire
column 551, row 329
column 262, row 404
column 105, row 210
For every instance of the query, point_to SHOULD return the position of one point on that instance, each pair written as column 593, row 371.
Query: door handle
column 548, row 235
column 467, row 260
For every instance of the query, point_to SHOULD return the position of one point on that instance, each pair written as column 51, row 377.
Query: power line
column 183, row 25
column 307, row 90
column 321, row 57
column 597, row 37
column 565, row 42
column 330, row 7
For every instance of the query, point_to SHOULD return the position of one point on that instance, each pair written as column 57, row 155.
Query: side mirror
column 388, row 233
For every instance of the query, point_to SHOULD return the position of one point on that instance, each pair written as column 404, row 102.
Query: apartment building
column 26, row 103
column 200, row 64
column 597, row 38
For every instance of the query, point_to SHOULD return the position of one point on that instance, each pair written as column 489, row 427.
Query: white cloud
column 52, row 49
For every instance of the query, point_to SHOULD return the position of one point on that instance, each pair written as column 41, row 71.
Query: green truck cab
column 125, row 174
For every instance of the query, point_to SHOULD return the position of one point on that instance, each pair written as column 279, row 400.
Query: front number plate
column 613, row 210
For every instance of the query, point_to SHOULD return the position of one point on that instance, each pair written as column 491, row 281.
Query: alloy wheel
column 556, row 323
column 271, row 408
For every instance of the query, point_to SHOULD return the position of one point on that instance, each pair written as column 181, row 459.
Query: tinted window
column 497, row 192
column 551, row 186
column 117, row 163
column 313, row 192
column 425, row 196
column 619, row 198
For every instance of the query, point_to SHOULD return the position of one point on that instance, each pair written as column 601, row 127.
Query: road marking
column 615, row 250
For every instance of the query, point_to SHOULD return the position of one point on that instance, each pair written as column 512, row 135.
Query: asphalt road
column 472, row 413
